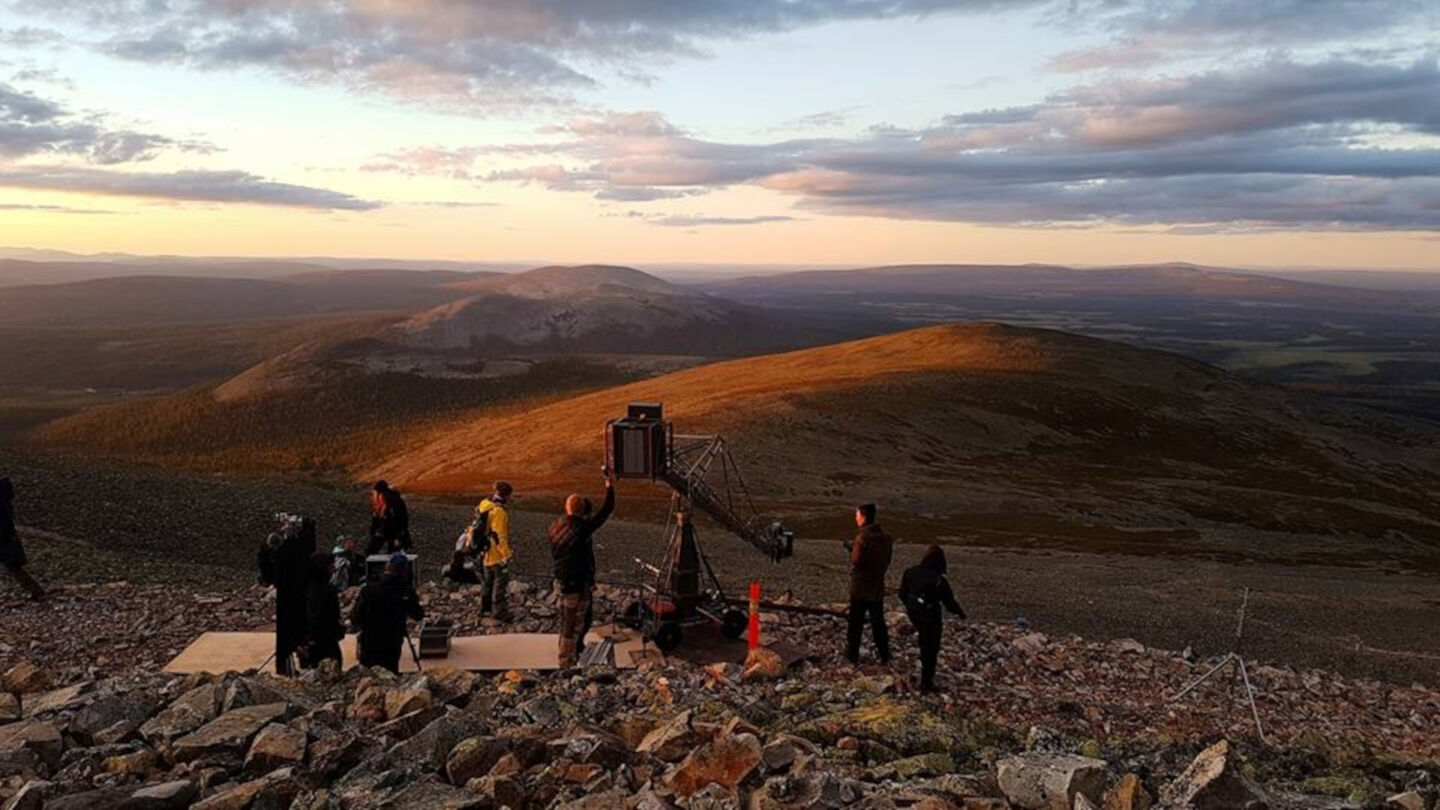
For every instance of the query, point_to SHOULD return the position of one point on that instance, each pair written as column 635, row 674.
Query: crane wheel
column 667, row 637
column 733, row 623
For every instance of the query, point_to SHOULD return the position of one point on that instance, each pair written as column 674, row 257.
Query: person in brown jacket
column 869, row 560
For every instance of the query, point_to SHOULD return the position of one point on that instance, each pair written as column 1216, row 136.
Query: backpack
column 475, row 540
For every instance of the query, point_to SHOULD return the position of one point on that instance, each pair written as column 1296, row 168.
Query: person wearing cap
column 869, row 560
column 380, row 614
column 389, row 520
column 493, row 515
column 572, row 547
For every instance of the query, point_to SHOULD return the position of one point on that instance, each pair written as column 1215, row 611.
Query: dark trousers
column 492, row 590
column 575, row 618
column 26, row 581
column 383, row 653
column 318, row 651
column 875, row 611
column 927, row 634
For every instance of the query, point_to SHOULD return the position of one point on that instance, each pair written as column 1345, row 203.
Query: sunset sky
column 1231, row 132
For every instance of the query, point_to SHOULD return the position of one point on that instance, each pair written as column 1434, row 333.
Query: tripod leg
column 1250, row 693
column 1191, row 687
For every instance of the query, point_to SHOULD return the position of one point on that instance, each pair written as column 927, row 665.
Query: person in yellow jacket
column 493, row 513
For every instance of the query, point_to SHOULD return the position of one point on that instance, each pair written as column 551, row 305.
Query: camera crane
column 704, row 478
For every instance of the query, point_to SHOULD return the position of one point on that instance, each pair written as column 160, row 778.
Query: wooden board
column 238, row 652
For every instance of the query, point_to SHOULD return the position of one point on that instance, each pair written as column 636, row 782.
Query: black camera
column 638, row 446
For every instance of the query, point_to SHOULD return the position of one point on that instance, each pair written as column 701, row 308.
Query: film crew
column 389, row 520
column 870, row 553
column 926, row 594
column 491, row 539
column 349, row 564
column 323, row 628
column 284, row 562
column 381, row 612
column 572, row 547
column 461, row 570
column 12, row 552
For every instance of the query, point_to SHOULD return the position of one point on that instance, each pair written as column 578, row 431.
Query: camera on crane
column 638, row 446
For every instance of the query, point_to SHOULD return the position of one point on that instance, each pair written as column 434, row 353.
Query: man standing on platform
column 572, row 547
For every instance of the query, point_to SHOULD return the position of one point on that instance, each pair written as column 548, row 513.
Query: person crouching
column 926, row 593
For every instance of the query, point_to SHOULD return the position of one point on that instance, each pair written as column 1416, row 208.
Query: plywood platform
column 238, row 652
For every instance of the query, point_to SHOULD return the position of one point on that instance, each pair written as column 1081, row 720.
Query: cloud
column 52, row 209
column 1279, row 144
column 199, row 186
column 460, row 54
column 680, row 221
column 31, row 126
column 1150, row 32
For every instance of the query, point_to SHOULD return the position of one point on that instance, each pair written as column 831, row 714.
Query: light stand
column 1235, row 656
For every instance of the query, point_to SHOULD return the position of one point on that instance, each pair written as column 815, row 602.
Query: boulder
column 1041, row 781
column 1406, row 801
column 815, row 791
column 105, row 798
column 673, row 740
column 188, row 712
column 1212, row 782
column 407, row 699
column 432, row 745
column 229, row 733
column 725, row 761
column 137, row 763
column 276, row 746
column 30, row 796
column 34, row 736
column 176, row 795
column 276, row 789
column 1127, row 794
column 25, row 678
column 605, row 750
column 334, row 755
column 9, row 707
column 763, row 664
column 473, row 758
column 502, row 791
column 112, row 718
column 55, row 700
column 427, row 795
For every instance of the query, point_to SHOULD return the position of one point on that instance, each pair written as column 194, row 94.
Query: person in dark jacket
column 389, row 520
column 323, row 628
column 572, row 547
column 12, row 552
column 869, row 560
column 926, row 594
column 285, row 563
column 381, row 612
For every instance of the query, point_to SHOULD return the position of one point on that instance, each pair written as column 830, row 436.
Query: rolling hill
column 1023, row 429
column 148, row 300
column 1039, row 281
column 595, row 308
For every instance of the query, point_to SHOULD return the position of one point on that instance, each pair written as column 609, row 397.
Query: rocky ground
column 1022, row 720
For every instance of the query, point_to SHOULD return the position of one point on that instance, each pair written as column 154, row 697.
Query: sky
column 1223, row 132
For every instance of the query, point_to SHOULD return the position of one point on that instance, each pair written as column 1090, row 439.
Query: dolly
column 704, row 477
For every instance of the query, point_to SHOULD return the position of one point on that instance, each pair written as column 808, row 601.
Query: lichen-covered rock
column 1040, row 781
column 186, row 713
column 229, row 733
column 34, row 736
column 276, row 746
column 673, row 740
column 725, row 761
column 473, row 758
column 1212, row 782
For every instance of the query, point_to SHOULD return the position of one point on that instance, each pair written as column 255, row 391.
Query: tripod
column 1233, row 655
column 414, row 653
